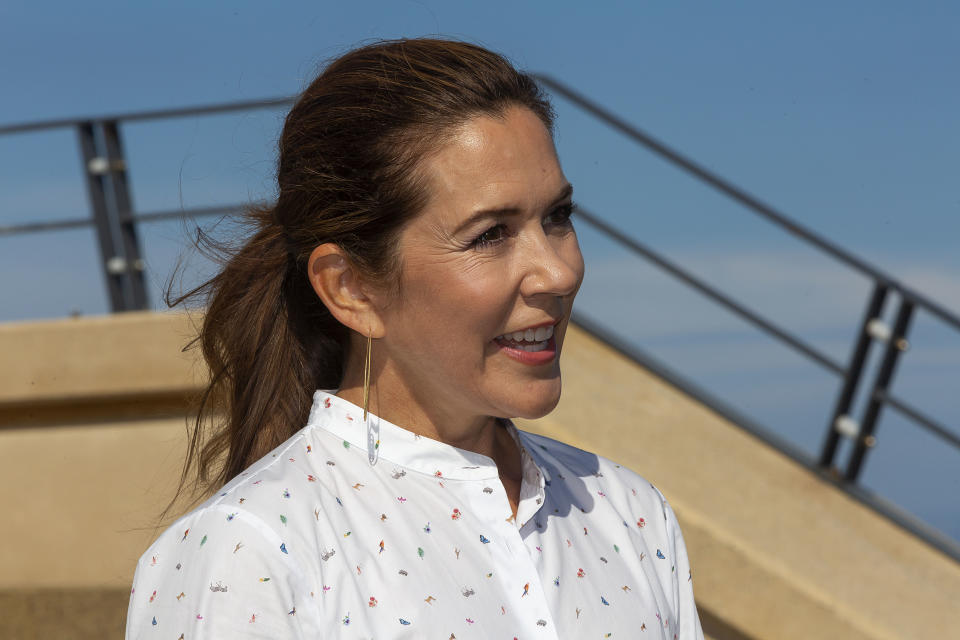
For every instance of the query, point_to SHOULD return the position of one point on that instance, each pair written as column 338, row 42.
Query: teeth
column 539, row 346
column 537, row 336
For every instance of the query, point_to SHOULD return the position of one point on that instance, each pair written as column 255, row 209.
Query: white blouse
column 347, row 532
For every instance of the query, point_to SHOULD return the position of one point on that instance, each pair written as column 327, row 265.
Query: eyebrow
column 500, row 212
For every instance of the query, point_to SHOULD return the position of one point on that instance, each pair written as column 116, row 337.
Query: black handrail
column 152, row 216
column 880, row 396
column 752, row 203
column 872, row 327
column 754, row 318
column 153, row 114
column 891, row 511
column 115, row 222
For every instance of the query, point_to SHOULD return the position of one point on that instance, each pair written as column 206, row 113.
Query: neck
column 434, row 416
column 472, row 433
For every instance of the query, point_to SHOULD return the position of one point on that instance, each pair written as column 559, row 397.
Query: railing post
column 896, row 345
column 124, row 210
column 853, row 374
column 94, row 170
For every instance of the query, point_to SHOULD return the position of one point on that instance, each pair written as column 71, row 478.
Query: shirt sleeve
column 687, row 616
column 220, row 573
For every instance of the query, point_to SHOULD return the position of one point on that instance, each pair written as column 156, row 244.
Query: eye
column 560, row 217
column 492, row 236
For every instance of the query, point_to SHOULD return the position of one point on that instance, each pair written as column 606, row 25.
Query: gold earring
column 366, row 375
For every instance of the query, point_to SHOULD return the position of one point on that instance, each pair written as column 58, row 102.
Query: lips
column 529, row 353
column 530, row 346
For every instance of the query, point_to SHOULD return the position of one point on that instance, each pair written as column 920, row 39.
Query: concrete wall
column 92, row 435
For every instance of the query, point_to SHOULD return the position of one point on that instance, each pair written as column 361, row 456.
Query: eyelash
column 564, row 211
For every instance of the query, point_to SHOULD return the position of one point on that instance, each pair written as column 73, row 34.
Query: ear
column 339, row 286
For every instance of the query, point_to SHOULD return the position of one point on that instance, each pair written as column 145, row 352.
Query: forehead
column 493, row 162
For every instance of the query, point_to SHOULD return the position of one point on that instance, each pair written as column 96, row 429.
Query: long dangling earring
column 373, row 430
column 366, row 375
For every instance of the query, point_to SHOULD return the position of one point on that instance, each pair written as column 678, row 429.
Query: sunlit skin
column 437, row 369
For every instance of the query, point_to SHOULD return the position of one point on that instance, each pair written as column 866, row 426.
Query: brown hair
column 349, row 151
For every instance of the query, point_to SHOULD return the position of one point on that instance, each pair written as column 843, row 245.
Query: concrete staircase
column 92, row 435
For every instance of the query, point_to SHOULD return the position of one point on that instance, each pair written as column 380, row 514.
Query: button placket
column 525, row 570
column 514, row 567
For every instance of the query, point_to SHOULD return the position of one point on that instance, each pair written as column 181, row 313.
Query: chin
column 537, row 403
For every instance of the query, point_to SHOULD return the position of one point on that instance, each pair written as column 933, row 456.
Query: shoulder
column 606, row 478
column 259, row 503
column 209, row 532
column 216, row 571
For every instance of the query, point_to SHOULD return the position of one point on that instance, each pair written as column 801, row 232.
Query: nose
column 552, row 266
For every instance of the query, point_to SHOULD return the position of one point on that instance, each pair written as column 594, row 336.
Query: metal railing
column 115, row 221
column 872, row 329
column 111, row 208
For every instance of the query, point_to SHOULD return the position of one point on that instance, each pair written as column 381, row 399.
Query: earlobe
column 338, row 285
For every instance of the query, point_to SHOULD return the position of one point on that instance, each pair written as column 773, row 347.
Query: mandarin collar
column 404, row 448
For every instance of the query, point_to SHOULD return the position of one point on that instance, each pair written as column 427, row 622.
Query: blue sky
column 843, row 115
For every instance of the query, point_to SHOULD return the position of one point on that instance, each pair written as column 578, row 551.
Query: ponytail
column 268, row 342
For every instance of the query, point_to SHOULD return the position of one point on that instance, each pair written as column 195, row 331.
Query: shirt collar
column 401, row 447
column 533, row 483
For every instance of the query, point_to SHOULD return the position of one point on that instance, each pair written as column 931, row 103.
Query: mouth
column 532, row 339
column 533, row 345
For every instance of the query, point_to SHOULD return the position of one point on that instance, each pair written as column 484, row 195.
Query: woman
column 406, row 296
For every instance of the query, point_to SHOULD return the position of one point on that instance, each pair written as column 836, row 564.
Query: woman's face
column 492, row 255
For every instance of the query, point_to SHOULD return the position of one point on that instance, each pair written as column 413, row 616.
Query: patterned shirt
column 347, row 531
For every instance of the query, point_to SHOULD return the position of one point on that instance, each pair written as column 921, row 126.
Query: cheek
column 456, row 300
